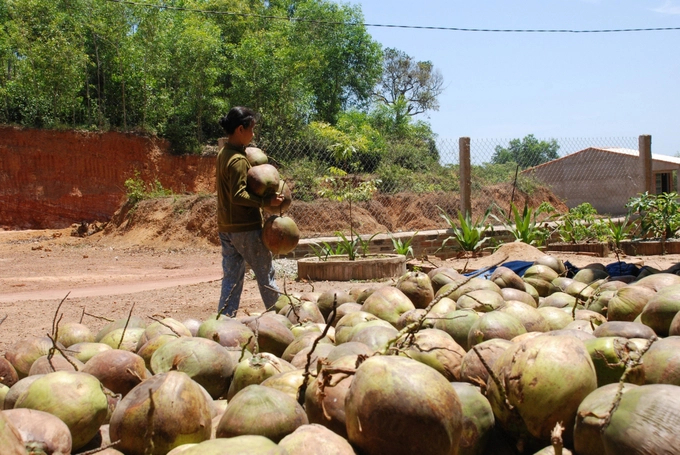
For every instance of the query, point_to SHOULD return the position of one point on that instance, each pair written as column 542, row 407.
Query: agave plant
column 525, row 226
column 470, row 234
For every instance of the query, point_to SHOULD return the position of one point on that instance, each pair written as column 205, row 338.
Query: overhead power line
column 414, row 27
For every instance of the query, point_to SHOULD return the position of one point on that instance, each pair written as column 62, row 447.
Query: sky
column 566, row 85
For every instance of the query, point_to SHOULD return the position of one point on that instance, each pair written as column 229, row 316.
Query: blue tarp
column 519, row 267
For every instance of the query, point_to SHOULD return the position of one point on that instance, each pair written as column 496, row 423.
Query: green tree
column 526, row 152
column 408, row 86
column 343, row 61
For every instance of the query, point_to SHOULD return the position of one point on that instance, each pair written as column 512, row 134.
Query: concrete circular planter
column 340, row 268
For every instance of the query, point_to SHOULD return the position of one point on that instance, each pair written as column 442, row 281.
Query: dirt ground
column 138, row 264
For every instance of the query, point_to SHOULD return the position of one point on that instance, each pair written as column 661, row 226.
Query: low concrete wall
column 423, row 243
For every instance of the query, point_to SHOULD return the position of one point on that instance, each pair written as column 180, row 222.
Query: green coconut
column 288, row 382
column 134, row 322
column 77, row 398
column 482, row 301
column 8, row 375
column 316, row 439
column 387, row 303
column 443, row 306
column 658, row 281
column 530, row 317
column 519, row 295
column 332, row 297
column 626, row 329
column 73, row 332
column 471, row 367
column 306, row 356
column 457, row 289
column 417, row 286
column 203, row 360
column 660, row 310
column 150, row 347
column 661, row 363
column 280, row 234
column 263, row 179
column 274, row 335
column 674, row 329
column 591, row 417
column 118, row 370
column 260, row 410
column 545, row 379
column 147, row 420
column 18, row 389
column 10, row 438
column 239, row 445
column 555, row 317
column 303, row 311
column 344, row 310
column 645, row 422
column 349, row 348
column 344, row 327
column 227, row 332
column 300, row 343
column 256, row 156
column 327, row 407
column 543, row 287
column 457, row 324
column 589, row 275
column 42, row 432
column 610, row 356
column 436, row 349
column 541, row 271
column 495, row 324
column 414, row 316
column 628, row 302
column 130, row 338
column 284, row 189
column 478, row 420
column 85, row 351
column 255, row 370
column 23, row 353
column 47, row 364
column 580, row 290
column 507, row 278
column 553, row 262
column 166, row 326
column 374, row 334
column 558, row 300
column 397, row 405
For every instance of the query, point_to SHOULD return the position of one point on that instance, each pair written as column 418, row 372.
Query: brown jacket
column 238, row 210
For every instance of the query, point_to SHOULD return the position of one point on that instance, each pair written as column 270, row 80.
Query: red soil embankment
column 51, row 179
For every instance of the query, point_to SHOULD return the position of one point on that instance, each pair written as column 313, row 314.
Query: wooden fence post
column 645, row 152
column 465, row 174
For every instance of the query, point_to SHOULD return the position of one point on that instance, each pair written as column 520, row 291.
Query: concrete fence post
column 645, row 152
column 465, row 174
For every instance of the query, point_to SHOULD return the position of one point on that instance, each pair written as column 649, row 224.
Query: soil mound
column 189, row 220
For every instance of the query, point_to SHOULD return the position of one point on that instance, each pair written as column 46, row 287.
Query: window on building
column 664, row 182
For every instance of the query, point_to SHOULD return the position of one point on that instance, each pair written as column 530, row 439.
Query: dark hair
column 236, row 117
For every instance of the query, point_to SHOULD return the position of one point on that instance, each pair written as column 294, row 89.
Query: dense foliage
column 100, row 64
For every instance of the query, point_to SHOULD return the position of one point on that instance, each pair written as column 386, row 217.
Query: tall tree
column 408, row 86
column 526, row 152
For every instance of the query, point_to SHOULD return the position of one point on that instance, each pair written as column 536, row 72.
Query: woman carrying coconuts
column 239, row 216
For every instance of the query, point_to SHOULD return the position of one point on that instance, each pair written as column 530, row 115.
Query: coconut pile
column 436, row 363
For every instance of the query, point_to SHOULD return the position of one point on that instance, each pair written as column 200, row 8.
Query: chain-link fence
column 407, row 187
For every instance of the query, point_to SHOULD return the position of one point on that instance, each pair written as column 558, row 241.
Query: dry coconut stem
column 556, row 438
column 122, row 335
column 631, row 362
column 305, row 376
